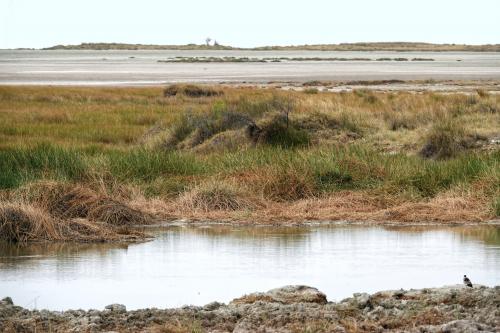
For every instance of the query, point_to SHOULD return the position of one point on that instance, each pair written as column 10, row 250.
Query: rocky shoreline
column 286, row 309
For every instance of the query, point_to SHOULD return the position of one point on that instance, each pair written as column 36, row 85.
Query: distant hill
column 383, row 46
column 123, row 46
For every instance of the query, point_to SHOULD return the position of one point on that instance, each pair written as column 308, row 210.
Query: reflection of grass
column 489, row 235
column 26, row 252
column 496, row 207
column 274, row 149
column 486, row 234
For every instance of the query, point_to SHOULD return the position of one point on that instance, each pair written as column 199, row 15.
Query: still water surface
column 197, row 265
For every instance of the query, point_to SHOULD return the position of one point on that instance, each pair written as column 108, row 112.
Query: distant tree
column 208, row 40
column 216, row 43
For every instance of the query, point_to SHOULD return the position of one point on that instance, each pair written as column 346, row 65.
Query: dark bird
column 467, row 281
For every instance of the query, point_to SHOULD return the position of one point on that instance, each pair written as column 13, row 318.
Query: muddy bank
column 287, row 309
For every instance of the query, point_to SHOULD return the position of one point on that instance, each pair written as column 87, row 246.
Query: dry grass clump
column 65, row 200
column 117, row 214
column 287, row 185
column 215, row 196
column 68, row 201
column 21, row 223
column 190, row 90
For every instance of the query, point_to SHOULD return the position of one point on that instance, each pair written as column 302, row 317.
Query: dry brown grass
column 448, row 207
column 67, row 201
column 214, row 196
column 21, row 223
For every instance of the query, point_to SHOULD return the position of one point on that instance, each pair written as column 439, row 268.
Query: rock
column 119, row 308
column 285, row 295
column 361, row 300
column 287, row 309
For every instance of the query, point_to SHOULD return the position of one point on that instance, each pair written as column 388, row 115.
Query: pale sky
column 43, row 23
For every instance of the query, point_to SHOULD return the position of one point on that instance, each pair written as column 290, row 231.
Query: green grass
column 323, row 170
column 21, row 165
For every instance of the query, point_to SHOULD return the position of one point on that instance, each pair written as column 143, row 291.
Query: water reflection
column 196, row 265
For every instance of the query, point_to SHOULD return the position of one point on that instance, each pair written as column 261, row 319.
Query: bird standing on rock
column 467, row 281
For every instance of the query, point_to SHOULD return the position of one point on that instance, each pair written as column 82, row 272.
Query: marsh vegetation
column 245, row 154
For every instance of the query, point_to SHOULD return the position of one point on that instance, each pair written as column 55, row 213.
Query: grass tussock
column 215, row 196
column 67, row 201
column 278, row 131
column 447, row 139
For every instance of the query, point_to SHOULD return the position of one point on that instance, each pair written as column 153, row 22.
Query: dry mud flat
column 286, row 309
column 139, row 68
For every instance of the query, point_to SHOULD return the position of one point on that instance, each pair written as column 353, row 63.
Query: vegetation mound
column 190, row 90
column 67, row 201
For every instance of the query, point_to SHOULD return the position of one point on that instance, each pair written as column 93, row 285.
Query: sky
column 44, row 23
